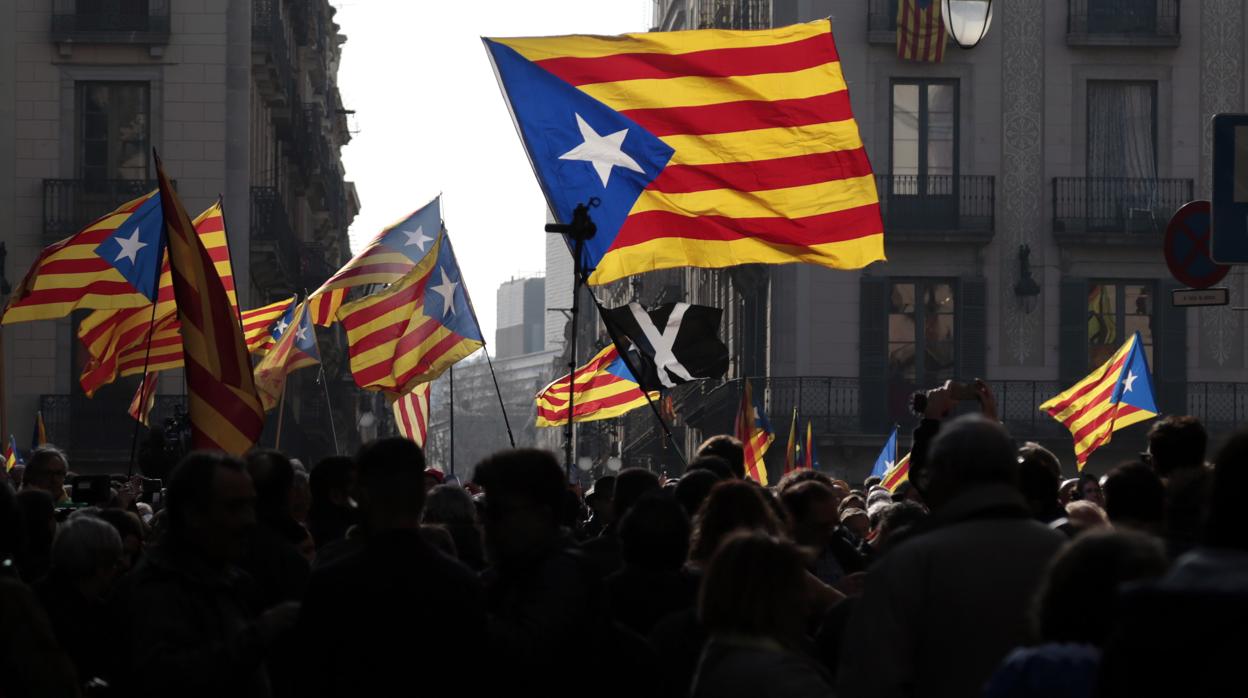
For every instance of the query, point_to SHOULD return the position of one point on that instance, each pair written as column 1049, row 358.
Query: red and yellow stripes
column 225, row 412
column 285, row 357
column 768, row 167
column 144, row 398
column 599, row 393
column 920, row 31
column 755, row 439
column 899, row 474
column 411, row 414
column 1087, row 410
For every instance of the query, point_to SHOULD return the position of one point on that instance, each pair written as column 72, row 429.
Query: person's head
column 969, row 452
column 731, row 505
column 630, row 485
column 130, row 527
column 524, row 495
column 392, row 483
column 895, row 521
column 872, row 481
column 1135, row 497
column 1226, row 524
column 38, row 513
column 727, row 447
column 599, row 499
column 1085, row 515
column 713, row 463
column 1089, row 488
column 273, row 476
column 755, row 586
column 433, row 478
column 449, row 505
column 1068, row 491
column 1032, row 451
column 857, row 522
column 211, row 506
column 800, row 476
column 694, row 487
column 1039, row 486
column 300, row 493
column 333, row 481
column 654, row 534
column 878, row 495
column 812, row 507
column 46, row 470
column 1176, row 442
column 852, row 501
column 1076, row 599
column 87, row 553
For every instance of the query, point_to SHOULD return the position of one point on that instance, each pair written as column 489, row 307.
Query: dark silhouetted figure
column 727, row 447
column 1176, row 443
column 630, row 485
column 332, row 482
column 273, row 560
column 1135, row 498
column 693, row 488
column 654, row 542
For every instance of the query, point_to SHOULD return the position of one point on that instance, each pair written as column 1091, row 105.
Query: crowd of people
column 986, row 574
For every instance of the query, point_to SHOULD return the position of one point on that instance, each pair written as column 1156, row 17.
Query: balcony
column 96, row 432
column 937, row 208
column 882, row 22
column 70, row 204
column 271, row 57
column 1122, row 23
column 1115, row 209
column 128, row 22
column 275, row 250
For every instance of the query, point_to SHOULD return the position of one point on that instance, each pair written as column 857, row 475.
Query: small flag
column 707, row 148
column 225, row 412
column 672, row 344
column 605, row 388
column 808, row 451
column 1114, row 396
column 414, row 330
column 887, row 458
column 920, row 31
column 11, row 456
column 295, row 348
column 40, row 436
column 411, row 414
column 895, row 477
column 385, row 260
column 112, row 263
column 144, row 398
column 754, row 432
column 792, row 451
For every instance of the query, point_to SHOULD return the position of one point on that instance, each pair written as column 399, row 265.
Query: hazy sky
column 431, row 119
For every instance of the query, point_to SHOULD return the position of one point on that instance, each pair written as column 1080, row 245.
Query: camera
column 958, row 392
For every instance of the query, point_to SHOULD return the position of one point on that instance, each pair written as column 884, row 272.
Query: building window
column 1122, row 129
column 114, row 130
column 1116, row 310
column 922, row 322
column 925, row 132
column 1121, row 16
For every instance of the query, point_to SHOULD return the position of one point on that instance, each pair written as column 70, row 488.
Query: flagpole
column 329, row 404
column 147, row 353
column 451, row 404
column 281, row 412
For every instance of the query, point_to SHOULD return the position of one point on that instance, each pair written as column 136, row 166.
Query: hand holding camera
column 938, row 403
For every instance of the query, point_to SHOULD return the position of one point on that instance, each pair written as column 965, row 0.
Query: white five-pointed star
column 417, row 237
column 129, row 247
column 446, row 289
column 281, row 326
column 603, row 152
column 1128, row 383
column 888, row 465
column 301, row 334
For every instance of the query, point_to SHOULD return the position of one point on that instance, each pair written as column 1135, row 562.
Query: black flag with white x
column 674, row 343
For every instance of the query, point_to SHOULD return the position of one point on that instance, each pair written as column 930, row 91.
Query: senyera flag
column 385, row 260
column 225, row 412
column 604, row 388
column 706, row 148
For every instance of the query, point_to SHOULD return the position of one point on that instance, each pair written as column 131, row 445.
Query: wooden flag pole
column 281, row 412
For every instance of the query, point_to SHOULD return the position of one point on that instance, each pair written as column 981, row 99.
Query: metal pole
column 281, row 412
column 451, row 403
column 147, row 353
column 569, row 445
column 329, row 404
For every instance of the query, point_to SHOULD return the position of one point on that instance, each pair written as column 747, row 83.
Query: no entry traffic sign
column 1187, row 247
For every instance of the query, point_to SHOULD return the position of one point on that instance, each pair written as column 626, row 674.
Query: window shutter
column 873, row 353
column 1072, row 352
column 1169, row 351
column 973, row 329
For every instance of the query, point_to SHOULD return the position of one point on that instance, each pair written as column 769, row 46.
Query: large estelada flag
column 672, row 344
column 920, row 31
column 296, row 348
column 225, row 412
column 706, row 148
column 1114, row 396
column 604, row 388
column 411, row 414
column 385, row 260
column 414, row 330
column 112, row 263
column 887, row 458
column 754, row 432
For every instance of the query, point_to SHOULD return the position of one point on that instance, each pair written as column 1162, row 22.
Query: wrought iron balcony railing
column 70, row 204
column 931, row 204
column 1122, row 22
column 113, row 23
column 1116, row 204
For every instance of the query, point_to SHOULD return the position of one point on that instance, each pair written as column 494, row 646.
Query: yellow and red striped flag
column 11, row 457
column 411, row 414
column 414, row 330
column 792, row 451
column 296, row 348
column 604, row 388
column 920, row 31
column 706, row 148
column 225, row 412
column 899, row 474
column 111, row 263
column 1114, row 396
column 41, row 431
column 754, row 432
column 388, row 258
column 144, row 398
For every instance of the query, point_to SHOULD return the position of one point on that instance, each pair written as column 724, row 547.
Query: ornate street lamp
column 1026, row 289
column 966, row 21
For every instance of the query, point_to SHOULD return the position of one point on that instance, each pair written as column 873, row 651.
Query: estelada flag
column 754, row 432
column 604, row 388
column 296, row 348
column 706, row 148
column 411, row 414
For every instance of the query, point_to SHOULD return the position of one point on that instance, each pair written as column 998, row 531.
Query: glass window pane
column 940, row 298
column 901, row 328
column 938, row 328
column 903, row 298
column 939, row 360
column 940, row 98
column 1103, row 314
column 901, row 361
column 905, row 129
